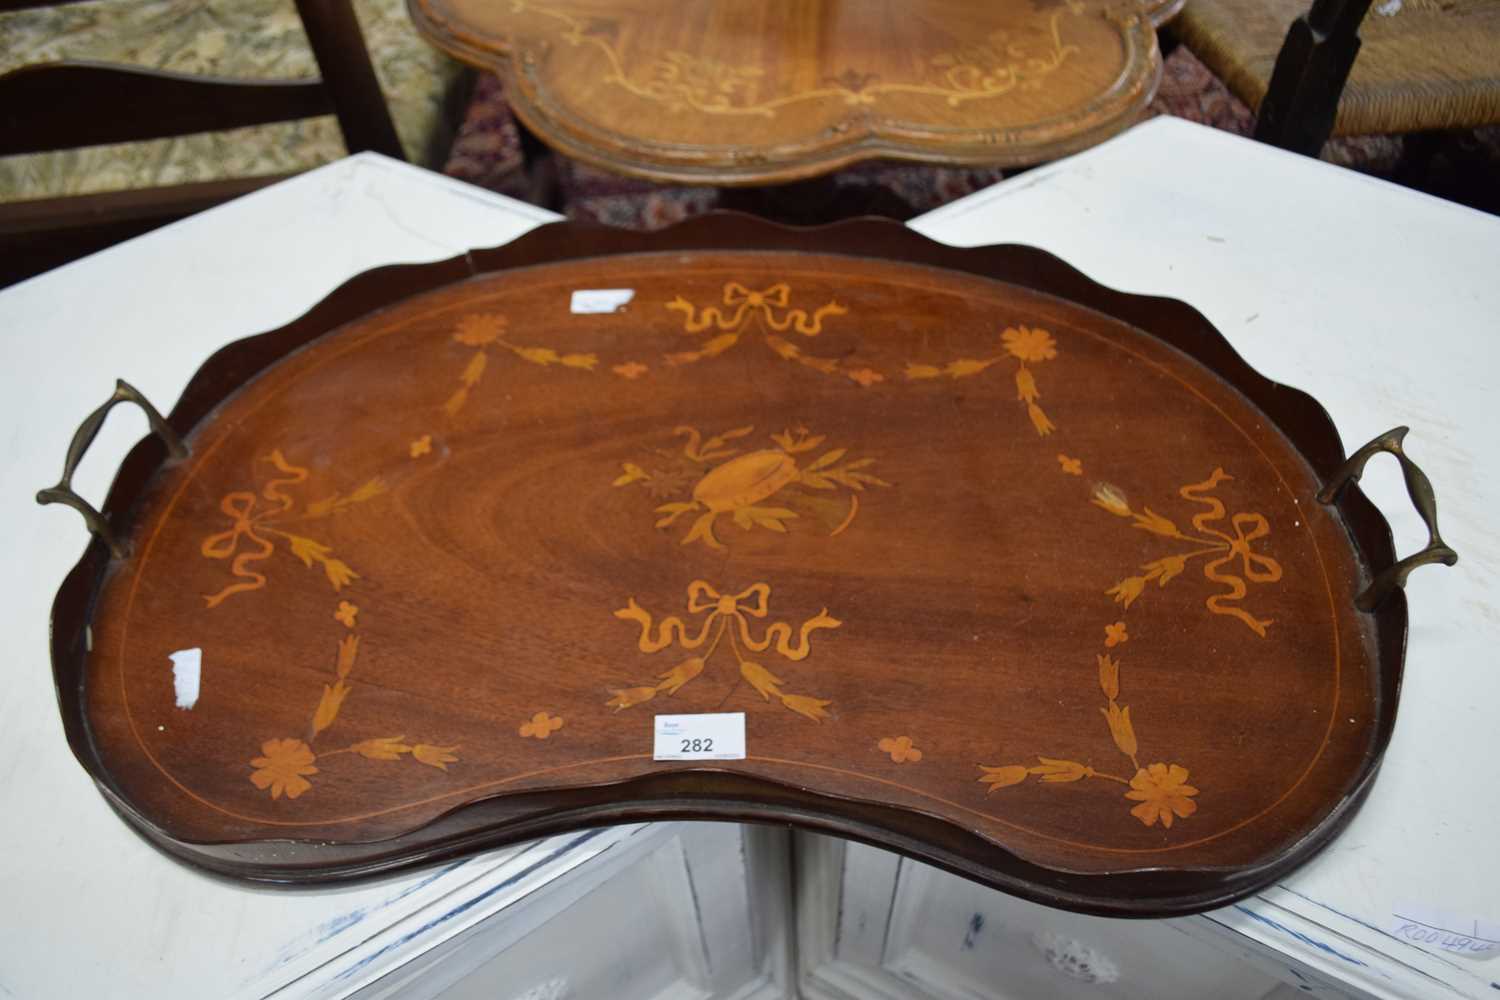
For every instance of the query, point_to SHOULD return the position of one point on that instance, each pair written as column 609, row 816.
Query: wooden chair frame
column 68, row 104
column 1302, row 98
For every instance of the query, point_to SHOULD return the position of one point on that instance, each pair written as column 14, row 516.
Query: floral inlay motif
column 1161, row 789
column 540, row 726
column 282, row 768
column 1115, row 634
column 488, row 331
column 1026, row 345
column 1163, row 792
column 286, row 763
column 900, row 749
column 258, row 518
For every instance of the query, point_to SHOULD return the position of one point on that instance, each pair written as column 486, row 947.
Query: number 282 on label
column 719, row 736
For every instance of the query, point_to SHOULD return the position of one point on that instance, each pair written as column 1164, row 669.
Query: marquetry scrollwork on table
column 995, row 66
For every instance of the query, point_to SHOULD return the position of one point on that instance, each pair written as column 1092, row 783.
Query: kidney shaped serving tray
column 1009, row 572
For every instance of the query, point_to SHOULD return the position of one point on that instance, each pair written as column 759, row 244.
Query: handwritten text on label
column 1460, row 935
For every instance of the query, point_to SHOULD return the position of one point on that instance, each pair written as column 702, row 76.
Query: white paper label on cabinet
column 720, row 736
column 1452, row 932
column 601, row 300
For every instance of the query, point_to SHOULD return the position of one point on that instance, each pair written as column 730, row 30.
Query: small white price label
column 720, row 736
column 600, row 300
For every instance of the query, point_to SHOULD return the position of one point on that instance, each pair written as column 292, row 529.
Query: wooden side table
column 749, row 92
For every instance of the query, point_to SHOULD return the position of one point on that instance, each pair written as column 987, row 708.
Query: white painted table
column 1384, row 304
column 1380, row 302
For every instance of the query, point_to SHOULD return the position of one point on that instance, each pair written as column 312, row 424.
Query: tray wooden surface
column 1007, row 571
column 769, row 91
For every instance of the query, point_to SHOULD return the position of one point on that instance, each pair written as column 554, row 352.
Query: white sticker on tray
column 720, row 736
column 187, row 669
column 601, row 300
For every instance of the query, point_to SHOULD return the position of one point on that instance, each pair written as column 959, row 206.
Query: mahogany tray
column 1012, row 573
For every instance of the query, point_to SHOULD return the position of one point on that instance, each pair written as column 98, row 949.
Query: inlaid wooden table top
column 768, row 91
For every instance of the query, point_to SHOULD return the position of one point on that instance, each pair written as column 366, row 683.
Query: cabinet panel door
column 875, row 925
column 697, row 911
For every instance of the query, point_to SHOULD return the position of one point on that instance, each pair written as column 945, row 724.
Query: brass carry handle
column 63, row 492
column 1419, row 488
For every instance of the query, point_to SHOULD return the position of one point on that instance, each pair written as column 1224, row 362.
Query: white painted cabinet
column 874, row 925
column 716, row 911
column 687, row 911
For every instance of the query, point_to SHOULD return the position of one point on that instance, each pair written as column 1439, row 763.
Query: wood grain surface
column 421, row 528
column 754, row 92
column 995, row 579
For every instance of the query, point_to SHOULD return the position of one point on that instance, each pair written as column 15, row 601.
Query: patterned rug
column 488, row 152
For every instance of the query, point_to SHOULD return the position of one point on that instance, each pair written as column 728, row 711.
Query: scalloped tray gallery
column 1009, row 572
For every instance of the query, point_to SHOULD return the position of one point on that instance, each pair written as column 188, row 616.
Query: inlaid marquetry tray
column 1012, row 573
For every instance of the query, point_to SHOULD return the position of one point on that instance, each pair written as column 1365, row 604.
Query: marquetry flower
column 866, row 376
column 630, row 370
column 900, row 749
column 282, row 768
column 1111, row 499
column 346, row 613
column 1003, row 777
column 1029, row 343
column 541, row 726
column 421, row 446
column 479, row 329
column 1163, row 792
column 1109, row 675
column 1072, row 466
column 669, row 483
column 1115, row 634
column 438, row 757
column 808, row 706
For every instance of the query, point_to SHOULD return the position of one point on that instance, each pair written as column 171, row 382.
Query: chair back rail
column 64, row 105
